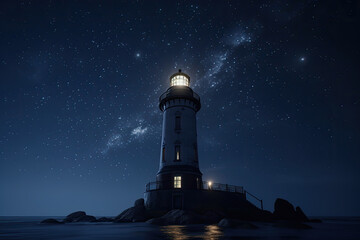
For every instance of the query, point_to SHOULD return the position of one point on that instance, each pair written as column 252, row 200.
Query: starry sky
column 79, row 86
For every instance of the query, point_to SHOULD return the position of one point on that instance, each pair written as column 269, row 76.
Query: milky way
column 80, row 83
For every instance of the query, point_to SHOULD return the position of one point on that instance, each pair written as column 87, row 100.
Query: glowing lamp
column 179, row 79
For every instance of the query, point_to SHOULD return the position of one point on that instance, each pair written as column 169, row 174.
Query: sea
column 30, row 228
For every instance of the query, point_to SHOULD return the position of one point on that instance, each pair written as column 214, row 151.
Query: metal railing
column 205, row 186
column 151, row 186
column 260, row 200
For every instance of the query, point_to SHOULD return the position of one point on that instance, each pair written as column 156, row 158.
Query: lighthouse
column 179, row 183
column 179, row 165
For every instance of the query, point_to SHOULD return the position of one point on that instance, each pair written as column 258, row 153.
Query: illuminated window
column 177, row 152
column 179, row 80
column 177, row 182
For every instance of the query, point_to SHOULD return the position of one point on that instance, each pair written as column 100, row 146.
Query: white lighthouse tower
column 179, row 166
column 179, row 182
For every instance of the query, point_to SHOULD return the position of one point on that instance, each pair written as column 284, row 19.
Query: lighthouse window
column 163, row 154
column 177, row 152
column 177, row 123
column 177, row 182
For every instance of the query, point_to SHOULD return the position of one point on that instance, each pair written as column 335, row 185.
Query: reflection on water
column 212, row 232
column 178, row 232
column 175, row 232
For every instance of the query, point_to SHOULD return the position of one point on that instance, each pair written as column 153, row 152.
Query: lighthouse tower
column 179, row 182
column 179, row 165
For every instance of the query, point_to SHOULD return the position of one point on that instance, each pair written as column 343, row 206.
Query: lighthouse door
column 177, row 201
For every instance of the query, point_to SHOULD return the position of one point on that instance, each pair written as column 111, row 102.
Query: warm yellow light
column 179, row 80
column 177, row 182
column 210, row 183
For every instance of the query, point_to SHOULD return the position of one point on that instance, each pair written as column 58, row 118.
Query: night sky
column 80, row 80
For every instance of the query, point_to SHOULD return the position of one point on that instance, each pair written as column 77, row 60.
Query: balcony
column 179, row 92
column 208, row 186
column 151, row 186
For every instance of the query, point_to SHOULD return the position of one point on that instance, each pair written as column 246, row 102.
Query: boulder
column 178, row 217
column 139, row 202
column 73, row 217
column 133, row 214
column 86, row 218
column 212, row 217
column 284, row 210
column 233, row 223
column 105, row 219
column 300, row 215
column 79, row 216
column 51, row 221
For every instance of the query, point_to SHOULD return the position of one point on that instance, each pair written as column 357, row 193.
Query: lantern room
column 179, row 79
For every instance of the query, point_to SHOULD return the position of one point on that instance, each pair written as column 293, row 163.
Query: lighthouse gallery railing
column 151, row 186
column 205, row 186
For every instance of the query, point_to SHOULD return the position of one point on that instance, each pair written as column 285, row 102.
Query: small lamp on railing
column 209, row 184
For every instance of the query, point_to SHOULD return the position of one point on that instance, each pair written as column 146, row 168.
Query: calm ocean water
column 29, row 228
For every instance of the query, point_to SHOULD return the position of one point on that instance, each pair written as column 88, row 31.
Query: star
column 302, row 59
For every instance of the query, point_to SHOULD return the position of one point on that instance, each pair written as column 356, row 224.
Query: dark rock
column 266, row 216
column 233, row 223
column 105, row 219
column 79, row 216
column 86, row 218
column 211, row 217
column 300, row 215
column 51, row 221
column 292, row 224
column 133, row 214
column 157, row 221
column 73, row 217
column 284, row 210
column 139, row 203
column 176, row 216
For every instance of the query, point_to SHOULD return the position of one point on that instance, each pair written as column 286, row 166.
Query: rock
column 284, row 210
column 86, row 218
column 178, row 217
column 105, row 219
column 51, row 221
column 300, row 215
column 157, row 221
column 73, row 217
column 139, row 202
column 292, row 224
column 133, row 214
column 233, row 223
column 211, row 217
column 79, row 216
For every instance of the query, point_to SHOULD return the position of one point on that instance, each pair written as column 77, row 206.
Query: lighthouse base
column 201, row 201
